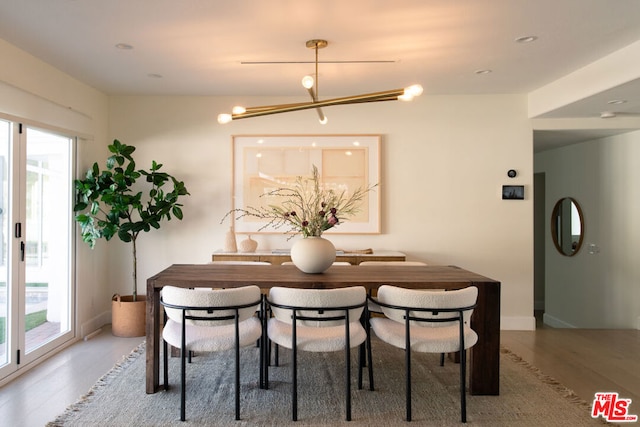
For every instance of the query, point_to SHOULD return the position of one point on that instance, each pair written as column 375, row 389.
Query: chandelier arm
column 317, row 76
column 271, row 107
column 390, row 95
column 321, row 115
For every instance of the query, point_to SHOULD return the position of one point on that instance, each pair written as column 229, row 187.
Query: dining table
column 484, row 357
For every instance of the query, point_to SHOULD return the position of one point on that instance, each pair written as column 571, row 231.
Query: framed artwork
column 513, row 192
column 262, row 163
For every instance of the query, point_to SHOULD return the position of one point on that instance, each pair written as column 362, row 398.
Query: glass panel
column 5, row 139
column 47, row 250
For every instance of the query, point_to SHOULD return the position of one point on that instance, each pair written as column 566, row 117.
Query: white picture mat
column 265, row 162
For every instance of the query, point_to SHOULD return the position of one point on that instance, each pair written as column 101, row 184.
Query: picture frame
column 513, row 192
column 262, row 163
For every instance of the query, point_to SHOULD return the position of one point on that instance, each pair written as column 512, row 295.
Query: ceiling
column 199, row 47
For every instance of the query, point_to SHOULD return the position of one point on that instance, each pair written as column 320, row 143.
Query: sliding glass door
column 6, row 137
column 36, row 300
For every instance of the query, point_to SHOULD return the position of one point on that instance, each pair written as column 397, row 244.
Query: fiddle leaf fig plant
column 111, row 202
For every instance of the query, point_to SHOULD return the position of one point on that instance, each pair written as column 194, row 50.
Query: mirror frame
column 554, row 226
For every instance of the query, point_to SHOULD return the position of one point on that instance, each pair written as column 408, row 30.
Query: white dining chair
column 372, row 305
column 317, row 320
column 210, row 321
column 428, row 322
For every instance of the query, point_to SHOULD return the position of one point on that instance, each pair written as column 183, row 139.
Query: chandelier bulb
column 411, row 92
column 323, row 120
column 307, row 82
column 414, row 90
column 224, row 118
column 238, row 109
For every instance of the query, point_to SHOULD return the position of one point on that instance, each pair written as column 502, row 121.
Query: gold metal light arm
column 321, row 116
column 406, row 94
column 389, row 95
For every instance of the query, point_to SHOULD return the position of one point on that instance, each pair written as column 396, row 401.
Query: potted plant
column 310, row 209
column 112, row 203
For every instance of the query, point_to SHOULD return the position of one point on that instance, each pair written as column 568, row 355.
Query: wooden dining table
column 484, row 360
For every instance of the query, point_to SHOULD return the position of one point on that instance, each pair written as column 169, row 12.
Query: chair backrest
column 213, row 304
column 434, row 300
column 403, row 263
column 321, row 300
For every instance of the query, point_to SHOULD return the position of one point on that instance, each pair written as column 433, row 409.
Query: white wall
column 35, row 93
column 600, row 289
column 444, row 160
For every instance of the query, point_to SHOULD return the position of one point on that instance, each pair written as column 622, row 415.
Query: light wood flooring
column 585, row 361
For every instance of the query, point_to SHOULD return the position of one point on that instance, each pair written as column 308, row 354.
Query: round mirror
column 567, row 226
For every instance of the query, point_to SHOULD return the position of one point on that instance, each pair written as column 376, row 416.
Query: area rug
column 527, row 397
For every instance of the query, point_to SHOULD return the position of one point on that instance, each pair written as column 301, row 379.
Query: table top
column 287, row 252
column 267, row 276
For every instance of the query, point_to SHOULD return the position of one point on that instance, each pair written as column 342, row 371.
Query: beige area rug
column 527, row 397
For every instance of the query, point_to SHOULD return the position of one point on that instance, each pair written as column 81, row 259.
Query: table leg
column 484, row 378
column 153, row 339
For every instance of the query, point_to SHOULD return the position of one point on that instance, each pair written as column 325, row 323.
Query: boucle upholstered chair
column 373, row 306
column 318, row 320
column 428, row 322
column 210, row 321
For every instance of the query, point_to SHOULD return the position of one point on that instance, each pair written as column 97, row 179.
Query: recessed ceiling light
column 607, row 115
column 617, row 101
column 124, row 46
column 486, row 71
column 526, row 39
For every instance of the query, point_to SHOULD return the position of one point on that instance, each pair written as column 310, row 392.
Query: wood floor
column 585, row 361
column 44, row 392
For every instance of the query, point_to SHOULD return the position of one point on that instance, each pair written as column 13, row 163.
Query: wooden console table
column 484, row 363
column 276, row 258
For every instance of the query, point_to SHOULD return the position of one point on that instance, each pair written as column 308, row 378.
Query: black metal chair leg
column 408, row 381
column 183, row 363
column 348, row 381
column 165, row 349
column 441, row 359
column 370, row 363
column 463, row 394
column 294, row 386
column 361, row 356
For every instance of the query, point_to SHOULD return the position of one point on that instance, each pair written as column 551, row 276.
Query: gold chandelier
column 308, row 82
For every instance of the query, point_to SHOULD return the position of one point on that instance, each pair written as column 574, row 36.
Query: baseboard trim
column 554, row 322
column 92, row 325
column 517, row 323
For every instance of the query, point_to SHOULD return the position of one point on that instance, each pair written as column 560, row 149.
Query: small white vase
column 248, row 245
column 313, row 254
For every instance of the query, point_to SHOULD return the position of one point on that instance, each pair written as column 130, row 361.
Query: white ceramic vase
column 313, row 254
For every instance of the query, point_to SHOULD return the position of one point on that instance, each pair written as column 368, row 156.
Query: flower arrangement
column 308, row 208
